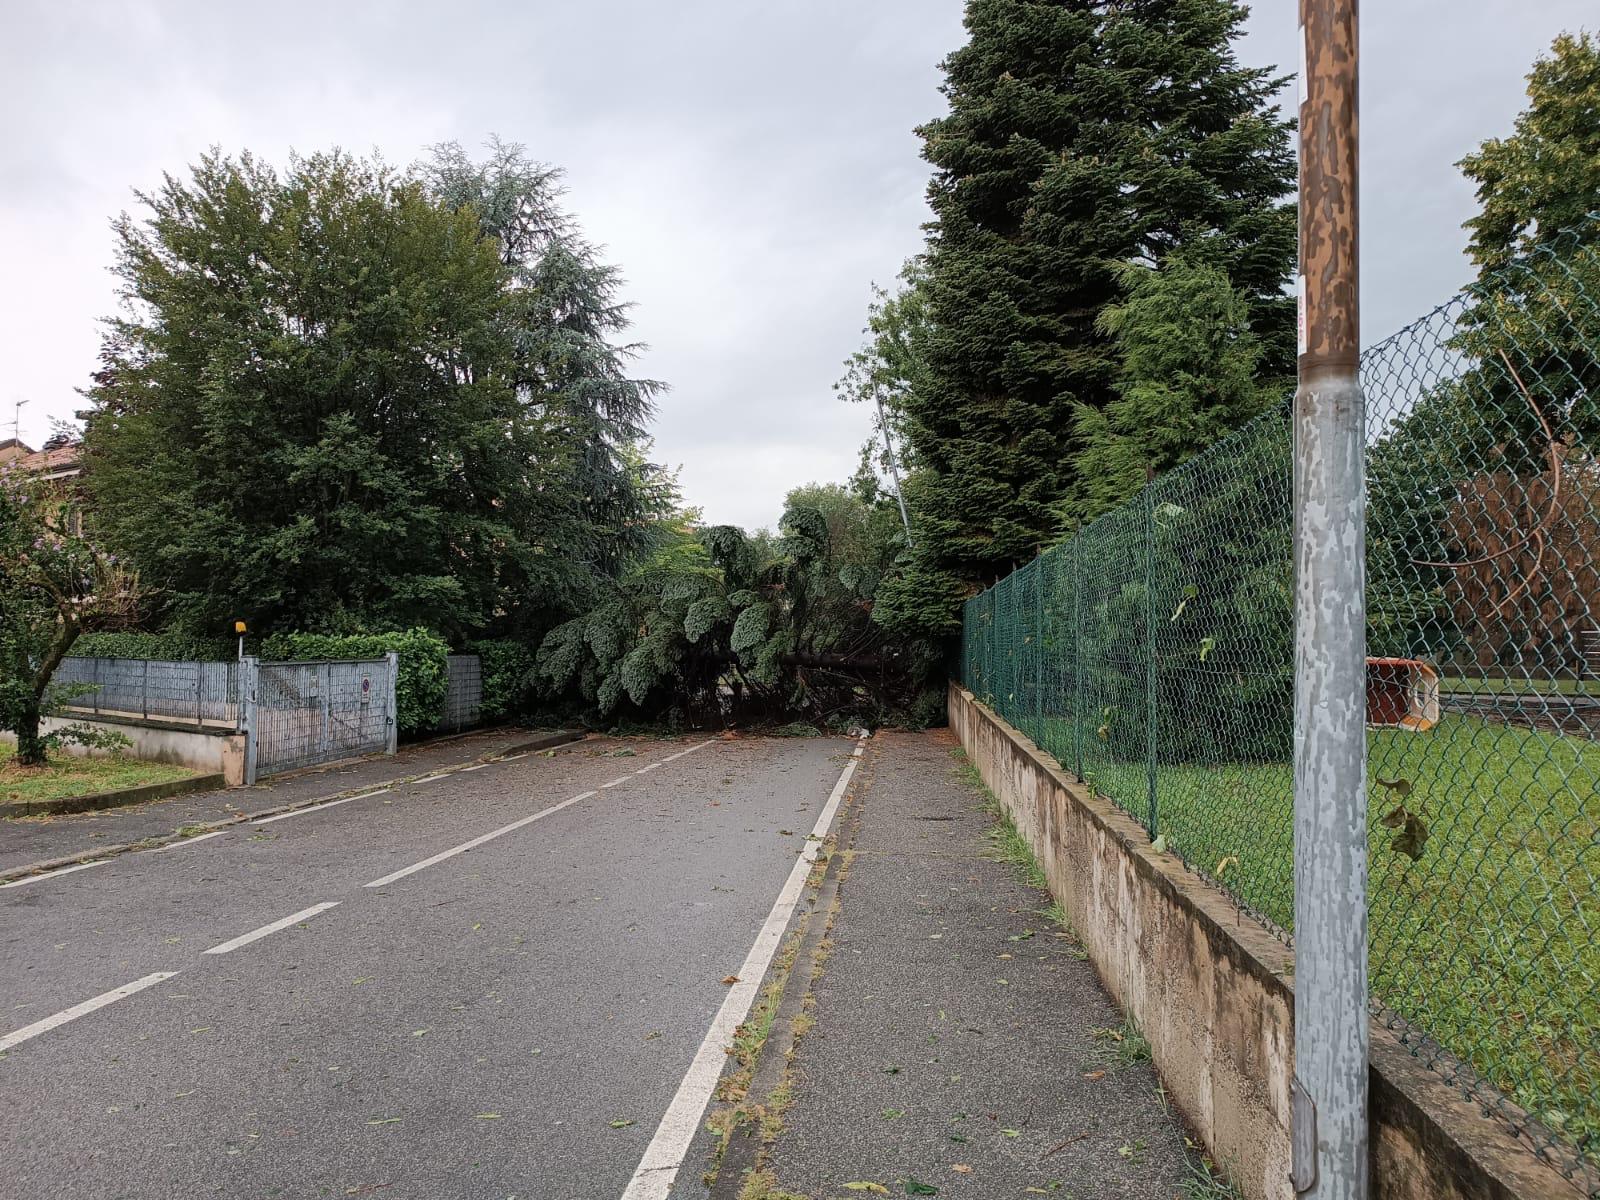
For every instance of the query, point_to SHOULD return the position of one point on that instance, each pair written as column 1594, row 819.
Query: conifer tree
column 1081, row 137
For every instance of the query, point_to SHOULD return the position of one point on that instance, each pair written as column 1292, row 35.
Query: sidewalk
column 956, row 1042
column 28, row 840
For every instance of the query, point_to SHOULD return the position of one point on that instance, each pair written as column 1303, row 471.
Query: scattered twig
column 1062, row 1145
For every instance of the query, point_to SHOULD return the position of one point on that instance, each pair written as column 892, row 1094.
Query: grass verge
column 66, row 776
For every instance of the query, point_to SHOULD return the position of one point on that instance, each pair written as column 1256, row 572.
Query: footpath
column 954, row 1040
column 26, row 842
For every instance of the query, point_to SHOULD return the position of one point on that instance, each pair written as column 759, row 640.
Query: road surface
column 510, row 981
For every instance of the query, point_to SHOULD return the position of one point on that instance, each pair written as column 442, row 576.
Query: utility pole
column 1331, row 1023
column 894, row 468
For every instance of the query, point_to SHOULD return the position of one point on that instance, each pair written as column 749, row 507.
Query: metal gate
column 300, row 714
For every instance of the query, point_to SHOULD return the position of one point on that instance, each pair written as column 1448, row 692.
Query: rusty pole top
column 1330, row 306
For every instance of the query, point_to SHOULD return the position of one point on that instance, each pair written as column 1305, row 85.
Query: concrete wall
column 1211, row 990
column 212, row 751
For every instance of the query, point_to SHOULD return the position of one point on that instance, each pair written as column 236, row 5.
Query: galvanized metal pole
column 1329, row 1093
column 1150, row 646
column 894, row 466
column 1077, row 654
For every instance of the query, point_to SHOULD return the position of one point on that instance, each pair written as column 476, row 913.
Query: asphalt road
column 489, row 985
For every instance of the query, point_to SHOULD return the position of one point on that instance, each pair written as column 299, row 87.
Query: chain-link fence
column 1152, row 654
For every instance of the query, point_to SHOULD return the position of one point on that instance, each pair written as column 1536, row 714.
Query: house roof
column 63, row 460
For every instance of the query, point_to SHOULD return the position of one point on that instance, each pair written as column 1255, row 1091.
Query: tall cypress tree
column 1081, row 137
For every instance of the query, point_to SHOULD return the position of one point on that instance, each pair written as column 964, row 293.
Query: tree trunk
column 30, row 747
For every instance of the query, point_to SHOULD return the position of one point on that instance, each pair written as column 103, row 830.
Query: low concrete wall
column 1210, row 989
column 202, row 748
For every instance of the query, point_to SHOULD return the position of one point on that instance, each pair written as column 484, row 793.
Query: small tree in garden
column 55, row 583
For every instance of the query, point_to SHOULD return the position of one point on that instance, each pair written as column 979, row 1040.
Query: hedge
column 507, row 667
column 174, row 647
column 423, row 681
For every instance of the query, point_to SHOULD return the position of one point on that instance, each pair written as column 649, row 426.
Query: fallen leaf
column 866, row 1185
column 731, row 980
column 619, row 1123
column 1095, row 1075
column 893, row 1114
column 917, row 1188
column 384, row 1121
column 963, row 1168
column 1012, row 1132
column 488, row 1116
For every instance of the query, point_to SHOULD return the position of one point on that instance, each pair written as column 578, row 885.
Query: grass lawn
column 68, row 776
column 1490, row 942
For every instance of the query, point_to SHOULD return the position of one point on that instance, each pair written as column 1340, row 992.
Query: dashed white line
column 647, row 767
column 511, row 757
column 664, row 1156
column 515, row 825
column 479, row 767
column 300, row 812
column 99, row 862
column 201, row 837
column 255, row 935
column 477, row 841
column 80, row 1010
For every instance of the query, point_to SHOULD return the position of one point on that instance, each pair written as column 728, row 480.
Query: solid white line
column 647, row 767
column 255, row 935
column 477, row 841
column 99, row 862
column 80, row 1010
column 191, row 841
column 654, row 1177
column 479, row 767
column 613, row 783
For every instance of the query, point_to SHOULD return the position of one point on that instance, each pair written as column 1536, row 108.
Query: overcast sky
column 750, row 166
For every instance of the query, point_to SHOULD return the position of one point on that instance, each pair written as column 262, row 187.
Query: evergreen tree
column 1081, row 136
column 1190, row 375
column 563, row 315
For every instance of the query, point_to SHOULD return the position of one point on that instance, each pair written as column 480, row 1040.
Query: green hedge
column 176, row 647
column 507, row 669
column 423, row 682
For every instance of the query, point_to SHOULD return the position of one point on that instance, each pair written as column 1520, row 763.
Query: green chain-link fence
column 1152, row 654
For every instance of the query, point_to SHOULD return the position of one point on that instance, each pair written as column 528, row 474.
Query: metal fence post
column 393, row 702
column 1077, row 654
column 1328, row 1133
column 248, row 672
column 1150, row 646
column 1038, row 651
column 327, row 706
column 144, row 690
column 96, row 663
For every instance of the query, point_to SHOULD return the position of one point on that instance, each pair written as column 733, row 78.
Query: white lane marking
column 613, row 783
column 255, row 935
column 690, row 750
column 81, row 1010
column 200, row 837
column 99, row 862
column 654, row 1177
column 479, row 767
column 300, row 812
column 430, row 778
column 477, row 841
column 511, row 757
column 647, row 767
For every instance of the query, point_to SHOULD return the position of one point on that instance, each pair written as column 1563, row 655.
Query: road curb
column 545, row 741
column 95, row 801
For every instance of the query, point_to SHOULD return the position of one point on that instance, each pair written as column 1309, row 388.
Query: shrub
column 175, row 647
column 419, row 698
column 507, row 667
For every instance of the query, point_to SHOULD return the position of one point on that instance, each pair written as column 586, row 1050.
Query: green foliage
column 1080, row 137
column 423, row 681
column 55, row 585
column 507, row 665
column 1190, row 375
column 171, row 646
column 715, row 623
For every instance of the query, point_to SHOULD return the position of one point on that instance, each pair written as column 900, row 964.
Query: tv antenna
column 16, row 420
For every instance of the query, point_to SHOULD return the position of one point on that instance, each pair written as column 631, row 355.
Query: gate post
column 392, row 702
column 248, row 670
